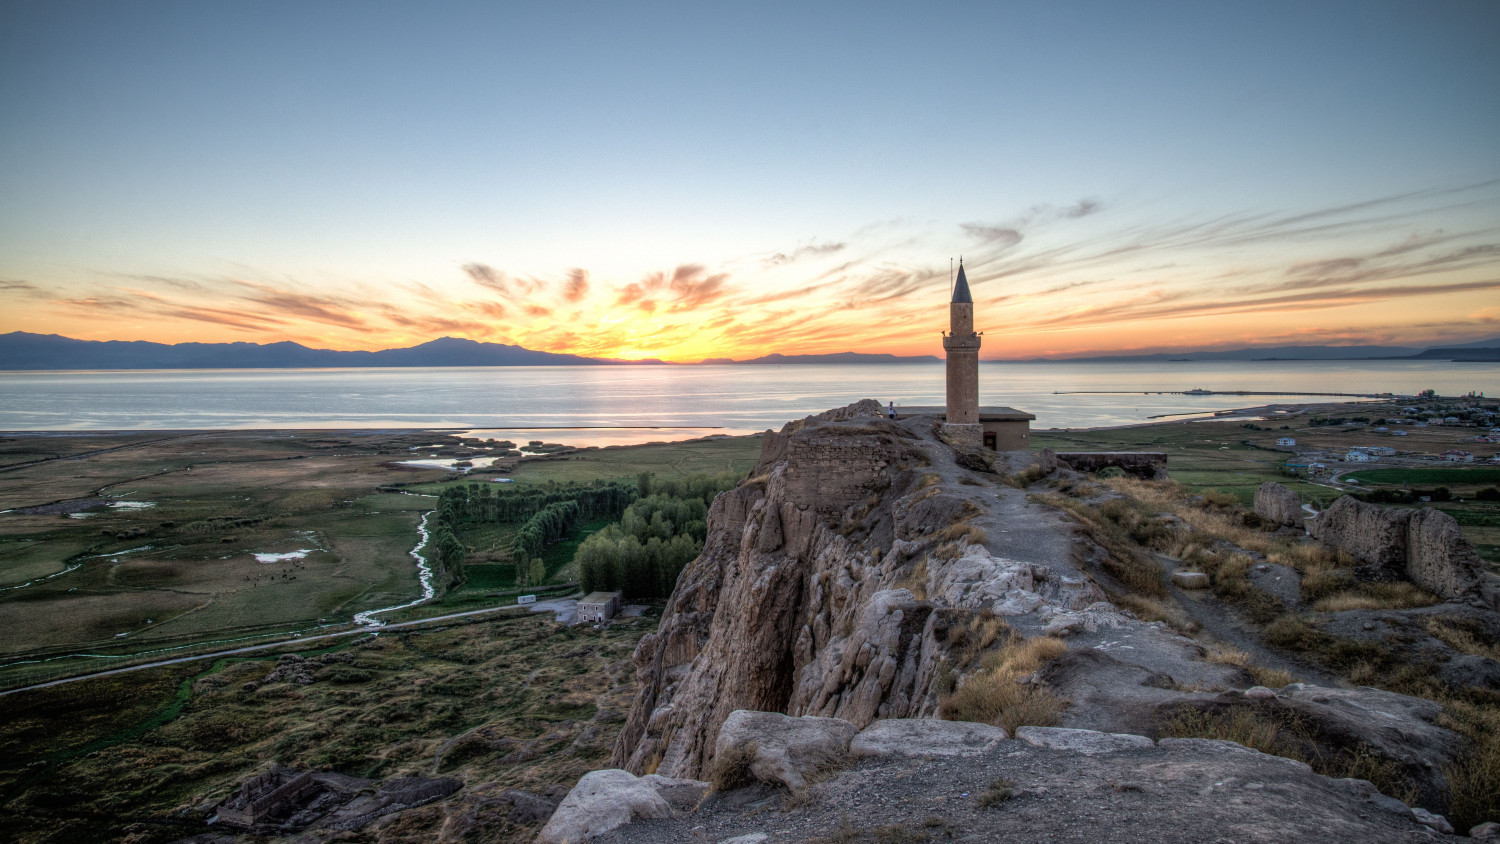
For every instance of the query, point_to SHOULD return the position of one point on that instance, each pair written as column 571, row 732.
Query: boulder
column 602, row 801
column 1278, row 505
column 1489, row 829
column 1087, row 742
column 1439, row 558
column 925, row 737
column 1190, row 579
column 1432, row 821
column 787, row 749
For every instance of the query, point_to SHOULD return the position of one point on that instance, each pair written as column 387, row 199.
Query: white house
column 1359, row 457
column 1286, row 441
column 1456, row 456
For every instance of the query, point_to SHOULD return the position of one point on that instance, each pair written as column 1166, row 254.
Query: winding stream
column 424, row 573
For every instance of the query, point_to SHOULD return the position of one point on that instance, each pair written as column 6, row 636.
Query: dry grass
column 1463, row 636
column 1377, row 596
column 1474, row 782
column 1285, row 734
column 962, row 532
column 994, row 695
column 928, row 479
column 916, row 582
column 1151, row 609
column 731, row 769
column 1000, row 790
column 1271, row 678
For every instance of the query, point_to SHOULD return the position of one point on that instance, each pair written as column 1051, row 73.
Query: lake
column 701, row 399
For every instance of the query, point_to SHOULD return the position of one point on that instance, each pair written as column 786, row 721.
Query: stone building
column 965, row 421
column 598, row 607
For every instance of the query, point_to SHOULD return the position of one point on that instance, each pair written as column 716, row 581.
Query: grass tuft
column 994, row 695
column 731, row 769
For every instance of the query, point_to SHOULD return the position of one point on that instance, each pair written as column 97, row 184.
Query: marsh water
column 605, row 405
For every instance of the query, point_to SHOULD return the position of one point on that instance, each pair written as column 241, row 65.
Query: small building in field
column 1458, row 456
column 598, row 607
column 1286, row 441
column 1359, row 457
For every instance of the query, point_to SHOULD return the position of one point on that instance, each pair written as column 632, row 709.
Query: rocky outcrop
column 1125, row 788
column 784, row 750
column 609, row 799
column 1424, row 546
column 1384, row 726
column 1278, row 505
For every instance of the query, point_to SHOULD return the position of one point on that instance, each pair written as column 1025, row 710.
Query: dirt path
column 95, row 453
column 1222, row 624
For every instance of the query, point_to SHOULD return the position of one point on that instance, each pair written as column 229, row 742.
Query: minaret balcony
column 955, row 343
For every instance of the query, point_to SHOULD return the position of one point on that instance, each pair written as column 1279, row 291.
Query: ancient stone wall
column 830, row 473
column 1278, row 505
column 1143, row 464
column 1439, row 558
column 1372, row 534
column 1424, row 546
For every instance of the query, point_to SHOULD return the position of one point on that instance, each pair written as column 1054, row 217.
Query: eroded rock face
column 806, row 601
column 1278, row 505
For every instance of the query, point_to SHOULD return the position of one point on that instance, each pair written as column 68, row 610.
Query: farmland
column 129, row 545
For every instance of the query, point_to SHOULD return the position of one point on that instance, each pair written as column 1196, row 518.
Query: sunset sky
column 699, row 180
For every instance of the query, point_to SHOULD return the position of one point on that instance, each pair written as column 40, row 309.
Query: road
column 562, row 608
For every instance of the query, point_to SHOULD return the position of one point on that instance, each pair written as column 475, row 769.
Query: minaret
column 962, row 347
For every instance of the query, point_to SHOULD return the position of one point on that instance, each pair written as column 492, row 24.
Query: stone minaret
column 962, row 347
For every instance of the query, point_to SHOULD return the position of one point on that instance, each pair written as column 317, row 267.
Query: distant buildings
column 1286, row 441
column 1456, row 456
column 1359, row 457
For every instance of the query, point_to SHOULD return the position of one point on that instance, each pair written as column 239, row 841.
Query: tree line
column 657, row 536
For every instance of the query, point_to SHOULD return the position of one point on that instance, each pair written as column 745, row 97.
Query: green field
column 1458, row 476
column 117, row 584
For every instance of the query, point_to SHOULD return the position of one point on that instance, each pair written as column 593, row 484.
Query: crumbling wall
column 1439, row 558
column 1424, row 546
column 1278, row 505
column 1372, row 534
column 1151, row 465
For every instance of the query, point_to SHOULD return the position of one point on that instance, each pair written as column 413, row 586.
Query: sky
column 684, row 181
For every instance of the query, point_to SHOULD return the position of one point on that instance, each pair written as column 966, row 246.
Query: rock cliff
column 831, row 584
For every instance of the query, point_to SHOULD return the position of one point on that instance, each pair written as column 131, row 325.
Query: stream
column 424, row 573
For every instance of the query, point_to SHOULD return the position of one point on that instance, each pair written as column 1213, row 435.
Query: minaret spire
column 961, row 345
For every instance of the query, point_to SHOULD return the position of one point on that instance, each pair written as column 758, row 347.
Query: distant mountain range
column 20, row 350
column 1480, row 350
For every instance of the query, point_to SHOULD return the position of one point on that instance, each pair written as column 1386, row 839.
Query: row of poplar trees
column 656, row 537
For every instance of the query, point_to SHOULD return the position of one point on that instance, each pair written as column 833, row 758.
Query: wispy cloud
column 814, row 250
column 577, row 285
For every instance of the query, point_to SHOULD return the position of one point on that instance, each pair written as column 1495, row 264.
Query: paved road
column 563, row 608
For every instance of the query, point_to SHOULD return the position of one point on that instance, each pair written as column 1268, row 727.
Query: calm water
column 732, row 398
